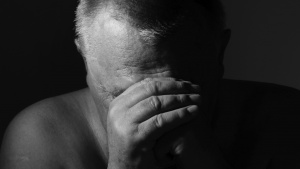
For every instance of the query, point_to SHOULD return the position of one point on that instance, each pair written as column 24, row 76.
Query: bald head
column 160, row 16
column 117, row 55
column 125, row 42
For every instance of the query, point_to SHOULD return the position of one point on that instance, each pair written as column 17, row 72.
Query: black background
column 38, row 56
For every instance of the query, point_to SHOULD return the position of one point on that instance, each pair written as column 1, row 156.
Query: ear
column 224, row 40
column 81, row 49
column 79, row 46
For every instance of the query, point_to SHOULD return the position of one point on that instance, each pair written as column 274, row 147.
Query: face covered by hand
column 118, row 56
column 119, row 61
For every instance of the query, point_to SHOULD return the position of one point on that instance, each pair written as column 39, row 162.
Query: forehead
column 121, row 50
column 112, row 36
column 109, row 30
column 124, row 57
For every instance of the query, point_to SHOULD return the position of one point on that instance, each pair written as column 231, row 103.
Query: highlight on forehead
column 152, row 17
column 150, row 13
column 144, row 14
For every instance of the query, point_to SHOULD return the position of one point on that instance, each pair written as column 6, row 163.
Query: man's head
column 147, row 14
column 125, row 41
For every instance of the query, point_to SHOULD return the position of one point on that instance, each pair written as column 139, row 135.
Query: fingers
column 155, row 105
column 160, row 124
column 155, row 87
column 146, row 111
column 151, row 80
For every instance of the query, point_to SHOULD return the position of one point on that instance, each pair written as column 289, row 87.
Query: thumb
column 171, row 145
column 187, row 152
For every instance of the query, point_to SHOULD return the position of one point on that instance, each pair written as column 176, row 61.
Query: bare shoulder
column 40, row 135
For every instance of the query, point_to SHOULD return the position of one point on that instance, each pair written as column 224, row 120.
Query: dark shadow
column 39, row 58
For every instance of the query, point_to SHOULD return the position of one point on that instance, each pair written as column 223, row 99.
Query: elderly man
column 156, row 98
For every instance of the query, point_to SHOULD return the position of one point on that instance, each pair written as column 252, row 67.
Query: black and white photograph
column 150, row 84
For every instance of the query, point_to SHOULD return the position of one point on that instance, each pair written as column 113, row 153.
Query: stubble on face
column 118, row 56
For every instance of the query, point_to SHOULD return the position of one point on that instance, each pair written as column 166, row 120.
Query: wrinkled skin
column 140, row 116
column 118, row 62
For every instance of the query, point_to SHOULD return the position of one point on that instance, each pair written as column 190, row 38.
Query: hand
column 144, row 113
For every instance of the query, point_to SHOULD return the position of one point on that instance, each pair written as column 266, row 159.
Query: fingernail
column 195, row 98
column 193, row 109
column 196, row 88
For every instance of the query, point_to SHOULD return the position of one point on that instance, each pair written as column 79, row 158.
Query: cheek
column 99, row 73
column 107, row 81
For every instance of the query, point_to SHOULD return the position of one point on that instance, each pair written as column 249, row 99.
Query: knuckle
column 159, row 121
column 155, row 102
column 152, row 86
column 182, row 98
column 181, row 114
column 184, row 113
column 180, row 85
column 123, row 129
column 145, row 81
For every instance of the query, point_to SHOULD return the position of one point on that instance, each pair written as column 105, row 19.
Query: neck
column 97, row 119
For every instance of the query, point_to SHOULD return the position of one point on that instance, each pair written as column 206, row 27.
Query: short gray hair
column 156, row 15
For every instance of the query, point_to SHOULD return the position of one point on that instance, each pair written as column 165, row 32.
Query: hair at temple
column 156, row 15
